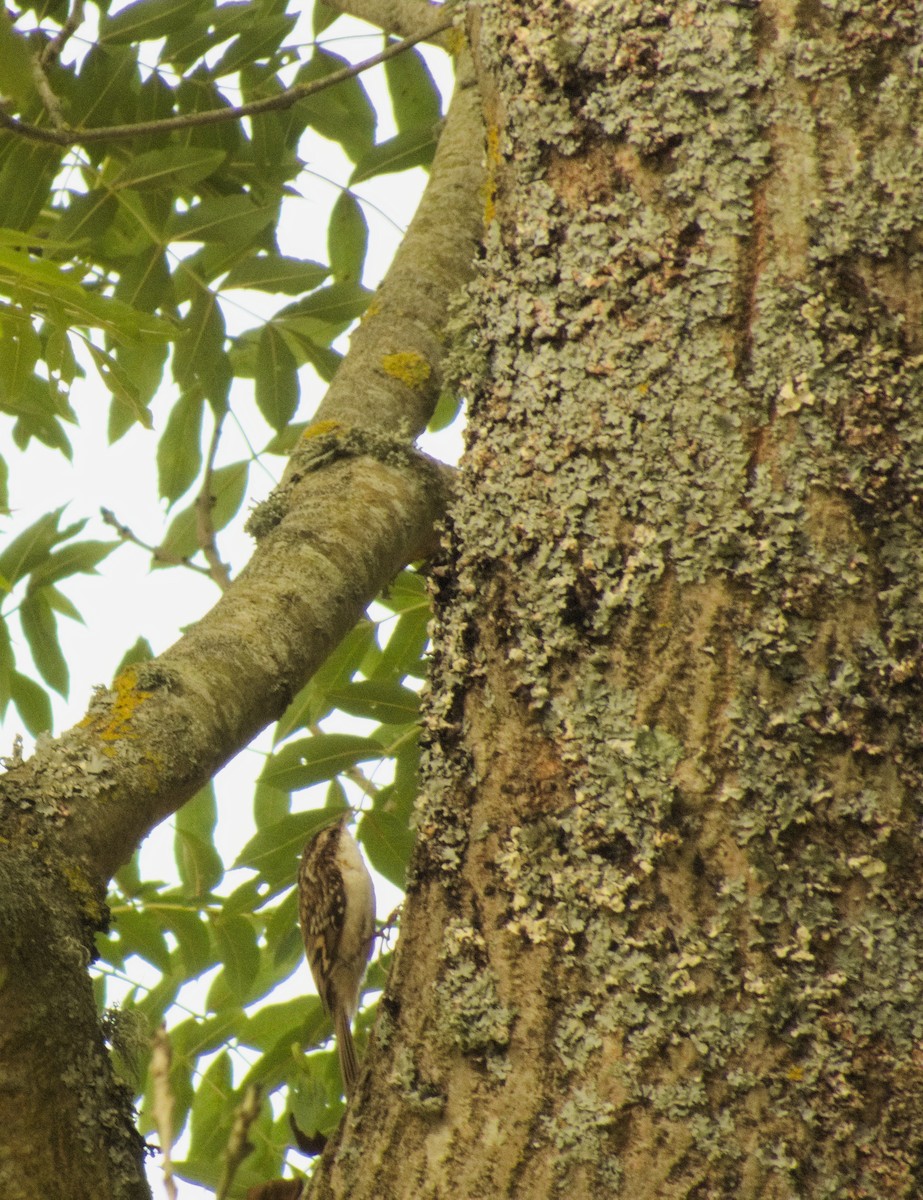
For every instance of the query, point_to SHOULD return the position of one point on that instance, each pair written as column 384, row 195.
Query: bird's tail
column 346, row 1049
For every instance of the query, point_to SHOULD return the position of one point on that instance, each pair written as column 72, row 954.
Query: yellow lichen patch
column 91, row 906
column 319, row 428
column 126, row 696
column 410, row 368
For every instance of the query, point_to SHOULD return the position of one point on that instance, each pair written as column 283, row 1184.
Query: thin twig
column 205, row 529
column 46, row 95
column 213, row 116
column 156, row 552
column 52, row 50
column 239, row 1145
column 162, row 1108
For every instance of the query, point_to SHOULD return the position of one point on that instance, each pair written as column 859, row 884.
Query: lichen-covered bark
column 665, row 932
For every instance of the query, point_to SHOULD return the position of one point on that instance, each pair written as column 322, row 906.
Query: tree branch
column 404, row 18
column 213, row 116
column 219, row 571
column 391, row 378
column 357, row 504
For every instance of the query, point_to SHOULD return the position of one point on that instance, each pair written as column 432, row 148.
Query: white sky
column 131, row 600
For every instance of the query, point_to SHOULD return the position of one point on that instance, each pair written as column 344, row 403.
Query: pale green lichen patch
column 469, row 1007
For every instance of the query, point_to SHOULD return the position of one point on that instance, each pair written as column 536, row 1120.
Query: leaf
column 389, row 703
column 273, row 851
column 27, row 172
column 141, row 651
column 388, row 843
column 124, row 391
column 277, row 273
column 326, row 313
column 146, row 20
column 199, row 863
column 139, row 933
column 16, row 78
column 312, row 760
column 344, row 113
column 235, row 937
column 406, row 590
column 410, row 148
column 311, row 703
column 403, row 654
column 7, row 668
column 228, row 488
column 230, row 219
column 276, row 378
column 179, row 452
column 260, row 41
column 415, row 99
column 47, row 285
column 32, row 702
column 174, row 168
column 77, row 557
column 41, row 632
column 200, row 355
column 347, row 238
column 192, row 937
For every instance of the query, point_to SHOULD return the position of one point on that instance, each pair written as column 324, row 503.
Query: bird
column 336, row 909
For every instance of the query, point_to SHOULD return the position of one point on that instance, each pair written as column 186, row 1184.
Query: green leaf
column 33, row 703
column 261, row 39
column 235, row 937
column 46, row 285
column 415, row 99
column 141, row 651
column 210, row 1119
column 175, row 168
column 139, row 933
column 343, row 113
column 146, row 20
column 388, row 843
column 16, row 78
column 276, row 378
column 312, row 760
column 200, row 355
column 77, row 557
column 448, row 407
column 347, row 239
column 41, row 632
column 326, row 313
column 129, row 403
column 192, row 937
column 228, row 487
column 234, row 220
column 179, row 452
column 274, row 850
column 199, row 863
column 7, row 667
column 389, row 703
column 406, row 590
column 27, row 172
column 277, row 273
column 410, row 148
column 311, row 703
column 403, row 654
column 269, row 804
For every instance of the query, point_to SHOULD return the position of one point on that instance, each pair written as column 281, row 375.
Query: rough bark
column 663, row 936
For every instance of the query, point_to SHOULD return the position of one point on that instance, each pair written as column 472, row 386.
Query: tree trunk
column 663, row 935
